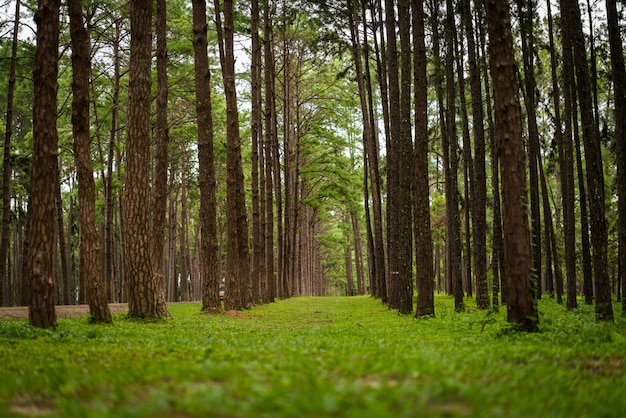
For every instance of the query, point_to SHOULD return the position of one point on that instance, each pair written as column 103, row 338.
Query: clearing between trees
column 312, row 357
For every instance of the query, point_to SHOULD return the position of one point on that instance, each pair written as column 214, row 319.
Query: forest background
column 352, row 150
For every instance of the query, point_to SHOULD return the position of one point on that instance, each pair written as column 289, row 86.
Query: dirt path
column 63, row 311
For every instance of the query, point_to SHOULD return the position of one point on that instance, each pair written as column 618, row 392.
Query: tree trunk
column 593, row 159
column 479, row 190
column 45, row 137
column 143, row 295
column 522, row 306
column 421, row 214
column 237, row 265
column 453, row 232
column 159, row 186
column 5, row 289
column 209, row 255
column 90, row 256
column 618, row 72
column 269, row 141
column 526, row 12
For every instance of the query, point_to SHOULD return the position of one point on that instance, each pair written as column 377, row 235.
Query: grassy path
column 316, row 357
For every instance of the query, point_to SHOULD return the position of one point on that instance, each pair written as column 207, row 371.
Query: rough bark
column 453, row 232
column 143, row 295
column 161, row 160
column 209, row 256
column 593, row 162
column 237, row 256
column 42, row 205
column 618, row 72
column 522, row 306
column 5, row 238
column 90, row 256
column 423, row 236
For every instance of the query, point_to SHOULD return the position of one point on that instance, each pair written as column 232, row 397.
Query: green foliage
column 343, row 357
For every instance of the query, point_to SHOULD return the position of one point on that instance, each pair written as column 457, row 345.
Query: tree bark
column 522, row 306
column 618, row 72
column 143, row 294
column 209, row 254
column 237, row 264
column 421, row 215
column 90, row 256
column 45, row 137
column 5, row 238
column 593, row 160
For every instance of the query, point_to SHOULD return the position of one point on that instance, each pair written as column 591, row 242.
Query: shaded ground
column 63, row 311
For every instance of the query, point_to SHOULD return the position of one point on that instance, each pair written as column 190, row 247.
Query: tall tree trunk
column 45, row 162
column 90, row 257
column 618, row 72
column 398, row 207
column 522, row 306
column 567, row 166
column 372, row 149
column 593, row 159
column 479, row 190
column 184, row 231
column 159, row 186
column 526, row 12
column 268, row 142
column 421, row 214
column 258, row 253
column 358, row 253
column 237, row 265
column 468, row 166
column 143, row 295
column 5, row 240
column 453, row 232
column 109, row 240
column 497, row 259
column 209, row 255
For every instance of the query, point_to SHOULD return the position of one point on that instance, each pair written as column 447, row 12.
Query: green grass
column 317, row 357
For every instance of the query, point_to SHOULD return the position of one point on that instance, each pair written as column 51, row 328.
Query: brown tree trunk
column 522, row 306
column 269, row 141
column 421, row 215
column 258, row 252
column 526, row 12
column 237, row 265
column 209, row 255
column 109, row 240
column 358, row 254
column 159, row 186
column 593, row 160
column 5, row 240
column 567, row 168
column 90, row 257
column 184, row 232
column 45, row 137
column 453, row 232
column 479, row 190
column 618, row 72
column 143, row 294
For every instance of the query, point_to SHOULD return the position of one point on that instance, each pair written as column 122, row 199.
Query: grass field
column 317, row 357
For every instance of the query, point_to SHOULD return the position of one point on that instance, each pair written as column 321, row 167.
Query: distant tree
column 40, row 267
column 90, row 256
column 143, row 295
column 522, row 305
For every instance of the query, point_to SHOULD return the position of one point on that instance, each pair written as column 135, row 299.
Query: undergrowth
column 317, row 357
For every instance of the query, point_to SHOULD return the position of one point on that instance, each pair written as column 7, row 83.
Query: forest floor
column 63, row 311
column 316, row 357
